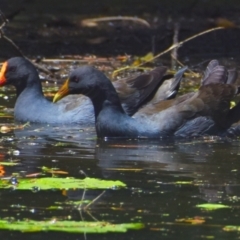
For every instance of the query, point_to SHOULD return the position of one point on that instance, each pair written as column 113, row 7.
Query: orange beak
column 3, row 80
column 62, row 92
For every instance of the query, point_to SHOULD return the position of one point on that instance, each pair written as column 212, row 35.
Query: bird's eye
column 12, row 69
column 75, row 79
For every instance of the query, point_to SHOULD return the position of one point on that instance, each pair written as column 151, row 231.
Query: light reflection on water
column 165, row 180
column 149, row 168
column 157, row 173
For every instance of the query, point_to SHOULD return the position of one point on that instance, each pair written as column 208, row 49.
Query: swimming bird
column 211, row 100
column 214, row 73
column 32, row 106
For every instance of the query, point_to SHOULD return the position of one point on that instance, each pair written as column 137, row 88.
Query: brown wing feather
column 211, row 100
column 217, row 74
column 232, row 76
column 135, row 91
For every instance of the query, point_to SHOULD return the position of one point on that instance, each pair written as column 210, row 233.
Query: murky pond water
column 166, row 181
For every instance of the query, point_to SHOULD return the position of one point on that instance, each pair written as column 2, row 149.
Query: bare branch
column 92, row 22
column 175, row 41
column 94, row 200
column 14, row 45
column 181, row 43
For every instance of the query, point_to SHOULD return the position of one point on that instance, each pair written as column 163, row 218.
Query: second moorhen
column 32, row 106
column 211, row 101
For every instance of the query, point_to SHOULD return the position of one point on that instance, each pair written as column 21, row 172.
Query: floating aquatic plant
column 67, row 226
column 60, row 183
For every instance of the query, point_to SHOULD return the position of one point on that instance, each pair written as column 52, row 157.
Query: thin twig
column 4, row 20
column 39, row 67
column 168, row 50
column 76, row 59
column 115, row 72
column 83, row 196
column 95, row 219
column 14, row 45
column 181, row 43
column 175, row 42
column 82, row 172
column 85, row 190
column 80, row 212
column 181, row 64
column 91, row 22
column 94, row 200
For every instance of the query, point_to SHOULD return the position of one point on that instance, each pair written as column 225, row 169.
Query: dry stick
column 95, row 219
column 181, row 64
column 115, row 72
column 43, row 69
column 168, row 50
column 92, row 21
column 181, row 43
column 40, row 68
column 12, row 43
column 94, row 200
column 4, row 19
column 83, row 196
column 7, row 39
column 85, row 235
column 84, row 192
column 175, row 41
column 75, row 59
column 82, row 172
column 80, row 209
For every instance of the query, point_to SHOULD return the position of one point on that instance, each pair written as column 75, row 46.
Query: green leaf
column 62, row 183
column 184, row 182
column 212, row 206
column 67, row 226
column 9, row 163
column 231, row 228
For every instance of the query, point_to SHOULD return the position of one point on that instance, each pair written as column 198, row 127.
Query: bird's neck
column 106, row 99
column 32, row 84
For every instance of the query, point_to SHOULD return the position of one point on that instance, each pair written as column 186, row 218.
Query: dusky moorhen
column 32, row 106
column 211, row 100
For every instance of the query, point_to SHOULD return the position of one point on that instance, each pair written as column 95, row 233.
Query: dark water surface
column 166, row 179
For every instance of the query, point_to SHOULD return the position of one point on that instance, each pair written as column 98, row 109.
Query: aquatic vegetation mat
column 212, row 206
column 67, row 226
column 60, row 183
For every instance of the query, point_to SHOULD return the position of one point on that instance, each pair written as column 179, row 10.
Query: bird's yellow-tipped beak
column 62, row 92
column 2, row 74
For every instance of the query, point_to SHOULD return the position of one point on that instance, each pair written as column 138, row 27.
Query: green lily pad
column 231, row 228
column 184, row 182
column 9, row 163
column 212, row 206
column 61, row 183
column 67, row 226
